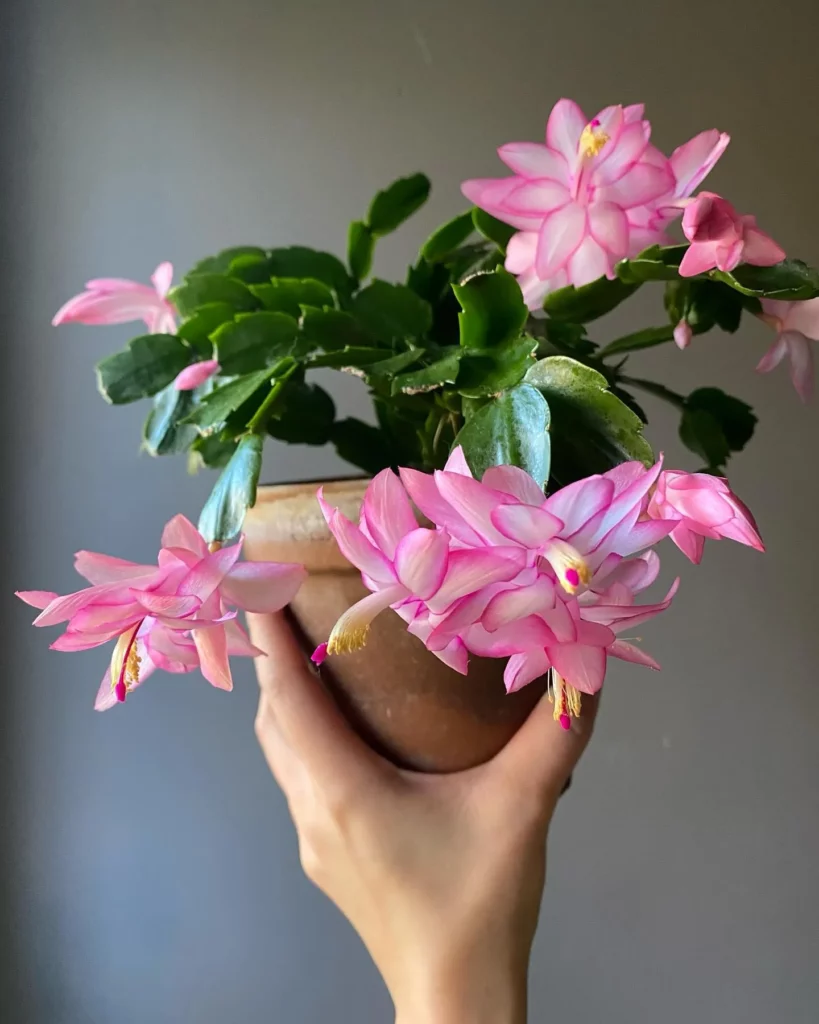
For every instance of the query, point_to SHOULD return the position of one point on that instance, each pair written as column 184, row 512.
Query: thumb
column 542, row 753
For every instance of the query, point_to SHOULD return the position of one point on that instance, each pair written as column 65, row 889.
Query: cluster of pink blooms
column 597, row 192
column 177, row 615
column 549, row 583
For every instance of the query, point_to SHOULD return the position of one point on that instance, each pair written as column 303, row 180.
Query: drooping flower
column 703, row 506
column 797, row 328
column 177, row 615
column 114, row 300
column 404, row 564
column 721, row 238
column 195, row 374
column 569, row 197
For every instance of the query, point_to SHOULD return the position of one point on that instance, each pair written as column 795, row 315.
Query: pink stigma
column 573, row 577
column 319, row 654
column 120, row 691
column 565, row 722
column 596, row 122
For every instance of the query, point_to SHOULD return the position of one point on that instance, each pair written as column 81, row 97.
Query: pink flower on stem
column 702, row 506
column 195, row 374
column 721, row 238
column 114, row 300
column 177, row 615
column 797, row 328
column 569, row 197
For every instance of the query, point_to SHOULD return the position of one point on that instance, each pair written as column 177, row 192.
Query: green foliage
column 390, row 312
column 254, row 341
column 290, row 294
column 146, row 366
column 592, row 429
column 492, row 229
column 493, row 310
column 360, row 249
column 332, row 329
column 164, row 433
column 512, row 429
column 435, row 375
column 216, row 407
column 445, row 239
column 200, row 289
column 234, row 493
column 300, row 262
column 581, row 305
column 361, row 445
column 715, row 424
column 198, row 328
column 211, row 451
column 220, row 264
column 304, row 414
column 395, row 204
column 488, row 371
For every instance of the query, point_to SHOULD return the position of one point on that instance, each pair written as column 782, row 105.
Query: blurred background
column 149, row 867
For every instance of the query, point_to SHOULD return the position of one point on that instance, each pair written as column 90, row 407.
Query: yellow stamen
column 592, row 139
column 566, row 698
column 126, row 656
column 347, row 640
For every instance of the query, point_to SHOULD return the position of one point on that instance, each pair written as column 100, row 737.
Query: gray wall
column 152, row 868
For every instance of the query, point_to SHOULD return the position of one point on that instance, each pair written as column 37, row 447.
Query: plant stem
column 260, row 417
column 648, row 337
column 659, row 390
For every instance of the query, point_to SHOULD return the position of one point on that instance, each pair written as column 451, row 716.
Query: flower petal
column 470, row 570
column 774, row 356
column 522, row 669
column 589, row 262
column 180, row 532
column 643, row 183
column 423, row 490
column 561, row 233
column 534, row 160
column 801, row 356
column 421, row 560
column 760, row 249
column 615, row 161
column 694, row 160
column 355, row 547
column 515, row 481
column 195, row 374
column 581, row 666
column 37, row 598
column 528, row 525
column 387, row 511
column 520, row 252
column 518, row 603
column 162, row 278
column 538, row 198
column 211, row 646
column 456, row 462
column 473, row 501
column 262, row 586
column 206, row 576
column 628, row 652
column 564, row 128
column 609, row 227
column 98, row 568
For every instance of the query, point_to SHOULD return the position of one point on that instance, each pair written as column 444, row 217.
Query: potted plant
column 515, row 425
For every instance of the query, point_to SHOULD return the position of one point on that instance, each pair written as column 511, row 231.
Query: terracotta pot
column 397, row 695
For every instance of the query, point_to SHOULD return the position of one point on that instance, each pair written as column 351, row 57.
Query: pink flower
column 797, row 327
column 569, row 197
column 195, row 374
column 690, row 164
column 175, row 615
column 113, row 300
column 721, row 238
column 702, row 506
column 682, row 335
column 405, row 565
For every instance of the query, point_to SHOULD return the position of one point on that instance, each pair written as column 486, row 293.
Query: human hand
column 440, row 875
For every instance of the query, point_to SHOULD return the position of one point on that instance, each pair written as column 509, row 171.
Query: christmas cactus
column 516, row 424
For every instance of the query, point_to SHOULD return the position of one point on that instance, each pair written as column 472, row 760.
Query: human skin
column 440, row 875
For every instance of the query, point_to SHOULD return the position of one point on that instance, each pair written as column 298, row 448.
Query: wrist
column 475, row 995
